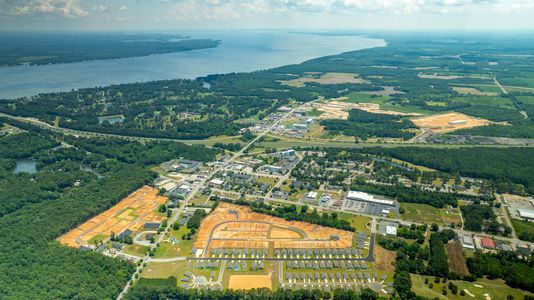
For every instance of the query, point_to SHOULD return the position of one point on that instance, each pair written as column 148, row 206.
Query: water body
column 27, row 165
column 239, row 52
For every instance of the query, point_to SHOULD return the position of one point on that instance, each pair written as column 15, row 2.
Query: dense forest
column 501, row 164
column 365, row 125
column 161, row 293
column 185, row 109
column 47, row 48
column 479, row 218
column 518, row 273
column 72, row 184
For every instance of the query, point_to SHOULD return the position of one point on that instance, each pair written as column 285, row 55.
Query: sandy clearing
column 449, row 122
column 248, row 282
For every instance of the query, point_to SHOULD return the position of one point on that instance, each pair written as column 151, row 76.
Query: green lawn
column 358, row 222
column 97, row 240
column 485, row 100
column 135, row 250
column 427, row 214
column 496, row 289
column 523, row 227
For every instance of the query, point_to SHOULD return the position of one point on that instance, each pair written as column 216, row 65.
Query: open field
column 234, row 226
column 339, row 109
column 427, row 214
column 388, row 91
column 385, row 260
column 359, row 222
column 472, row 91
column 456, row 258
column 130, row 213
column 438, row 76
column 496, row 101
column 248, row 282
column 328, row 78
column 135, row 250
column 495, row 289
column 448, row 122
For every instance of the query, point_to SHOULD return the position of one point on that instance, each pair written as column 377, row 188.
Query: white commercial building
column 312, row 195
column 526, row 213
column 361, row 196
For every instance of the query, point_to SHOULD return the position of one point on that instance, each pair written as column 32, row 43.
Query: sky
column 266, row 14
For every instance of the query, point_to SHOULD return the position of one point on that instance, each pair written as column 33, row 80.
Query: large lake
column 238, row 52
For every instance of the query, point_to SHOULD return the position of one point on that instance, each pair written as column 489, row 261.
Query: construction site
column 339, row 109
column 448, row 122
column 234, row 226
column 131, row 213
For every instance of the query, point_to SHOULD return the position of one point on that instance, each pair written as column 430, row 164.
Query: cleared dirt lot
column 448, row 122
column 456, row 258
column 337, row 109
column 234, row 226
column 328, row 78
column 385, row 260
column 248, row 282
column 130, row 213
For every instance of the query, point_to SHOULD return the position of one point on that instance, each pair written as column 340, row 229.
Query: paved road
column 195, row 189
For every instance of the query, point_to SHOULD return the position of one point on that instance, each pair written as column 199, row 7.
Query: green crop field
column 485, row 100
column 519, row 81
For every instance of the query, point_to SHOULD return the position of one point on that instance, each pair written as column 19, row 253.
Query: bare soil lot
column 449, row 122
column 328, row 78
column 456, row 258
column 130, row 213
column 234, row 226
column 248, row 282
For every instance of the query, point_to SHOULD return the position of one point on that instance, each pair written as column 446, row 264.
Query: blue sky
column 260, row 14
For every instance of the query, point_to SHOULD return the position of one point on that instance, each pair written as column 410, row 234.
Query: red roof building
column 487, row 243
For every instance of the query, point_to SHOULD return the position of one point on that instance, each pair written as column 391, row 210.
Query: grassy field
column 366, row 98
column 358, row 222
column 519, row 81
column 523, row 227
column 427, row 214
column 135, row 250
column 486, row 100
column 496, row 289
column 526, row 99
column 487, row 88
column 164, row 270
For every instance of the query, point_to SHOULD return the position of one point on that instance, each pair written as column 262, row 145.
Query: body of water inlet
column 239, row 51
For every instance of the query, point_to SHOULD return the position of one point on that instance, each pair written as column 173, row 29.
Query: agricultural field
column 471, row 90
column 518, row 81
column 130, row 213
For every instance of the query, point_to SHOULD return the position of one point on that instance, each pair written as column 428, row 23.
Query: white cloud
column 123, row 7
column 65, row 8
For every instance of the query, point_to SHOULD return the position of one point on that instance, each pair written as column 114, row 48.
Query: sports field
column 130, row 213
column 234, row 226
